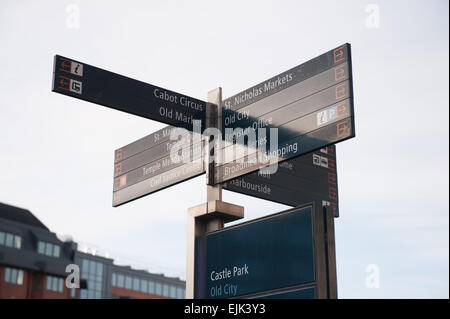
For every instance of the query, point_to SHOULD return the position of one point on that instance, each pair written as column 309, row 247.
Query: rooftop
column 20, row 215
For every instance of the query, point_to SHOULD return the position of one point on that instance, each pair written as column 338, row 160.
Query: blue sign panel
column 270, row 253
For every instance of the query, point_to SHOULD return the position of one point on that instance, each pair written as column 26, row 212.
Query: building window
column 114, row 280
column 55, row 284
column 158, row 289
column 92, row 267
column 147, row 286
column 20, row 277
column 128, row 282
column 144, row 286
column 166, row 290
column 180, row 293
column 151, row 287
column 121, row 281
column 41, row 247
column 17, row 242
column 92, row 271
column 56, row 251
column 99, row 269
column 173, row 292
column 14, row 276
column 135, row 284
column 10, row 240
column 73, row 292
column 49, row 249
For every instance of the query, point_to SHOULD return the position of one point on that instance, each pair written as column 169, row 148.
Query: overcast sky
column 57, row 152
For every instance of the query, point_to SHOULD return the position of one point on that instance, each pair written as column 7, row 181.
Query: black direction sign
column 312, row 176
column 147, row 165
column 89, row 83
column 311, row 105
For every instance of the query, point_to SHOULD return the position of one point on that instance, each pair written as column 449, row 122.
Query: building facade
column 104, row 279
column 33, row 264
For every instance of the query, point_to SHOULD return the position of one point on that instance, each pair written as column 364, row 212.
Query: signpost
column 286, row 255
column 92, row 84
column 146, row 165
column 297, row 181
column 311, row 105
column 277, row 255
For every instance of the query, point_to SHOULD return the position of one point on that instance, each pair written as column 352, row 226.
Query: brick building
column 33, row 265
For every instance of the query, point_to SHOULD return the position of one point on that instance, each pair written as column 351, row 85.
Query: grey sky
column 57, row 152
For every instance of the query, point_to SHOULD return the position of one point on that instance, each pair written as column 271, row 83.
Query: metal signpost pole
column 213, row 118
column 209, row 216
column 330, row 252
